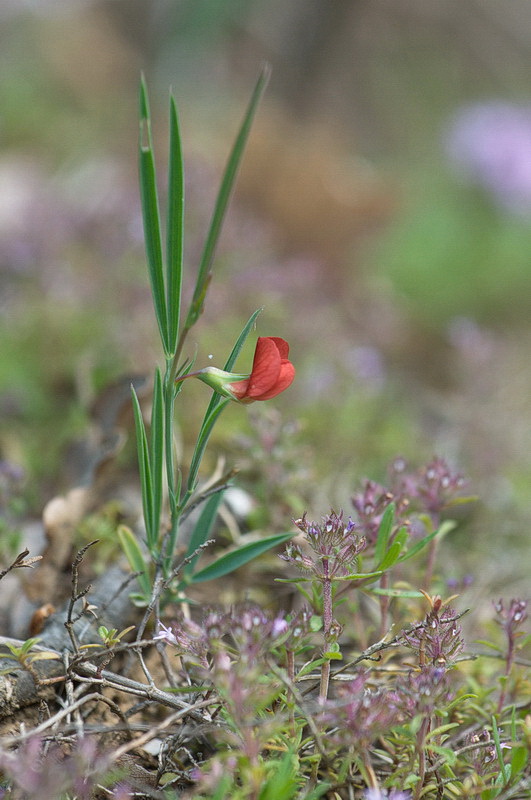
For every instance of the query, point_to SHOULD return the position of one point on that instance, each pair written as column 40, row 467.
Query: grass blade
column 151, row 216
column 135, row 558
column 156, row 460
column 240, row 341
column 174, row 230
column 144, row 466
column 222, row 200
column 202, row 529
column 446, row 526
column 202, row 440
column 237, row 558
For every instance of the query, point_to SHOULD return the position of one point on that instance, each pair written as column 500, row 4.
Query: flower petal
column 285, row 378
column 266, row 367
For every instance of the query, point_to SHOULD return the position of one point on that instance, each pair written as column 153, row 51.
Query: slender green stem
column 169, row 403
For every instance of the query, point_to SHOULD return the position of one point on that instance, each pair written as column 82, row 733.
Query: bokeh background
column 382, row 218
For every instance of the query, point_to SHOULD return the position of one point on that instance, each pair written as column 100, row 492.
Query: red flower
column 272, row 372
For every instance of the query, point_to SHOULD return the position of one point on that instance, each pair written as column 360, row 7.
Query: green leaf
column 360, row 576
column 227, row 184
column 156, row 462
column 332, row 655
column 237, row 558
column 505, row 769
column 146, row 483
column 151, row 217
column 210, row 419
column 445, row 528
column 242, row 338
column 384, row 532
column 135, row 558
column 202, row 529
column 518, row 759
column 450, row 757
column 390, row 557
column 174, row 229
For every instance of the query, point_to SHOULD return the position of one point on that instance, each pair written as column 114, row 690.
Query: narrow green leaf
column 384, row 532
column 202, row 440
column 391, row 556
column 420, row 545
column 146, row 484
column 174, row 229
column 151, row 217
column 505, row 769
column 450, row 757
column 240, row 341
column 203, row 529
column 359, row 576
column 332, row 655
column 222, row 201
column 135, row 558
column 144, row 100
column 156, row 459
column 402, row 536
column 237, row 558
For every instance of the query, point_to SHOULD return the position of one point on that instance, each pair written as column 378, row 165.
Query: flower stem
column 327, row 627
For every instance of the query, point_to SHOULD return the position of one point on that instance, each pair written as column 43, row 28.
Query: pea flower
column 272, row 373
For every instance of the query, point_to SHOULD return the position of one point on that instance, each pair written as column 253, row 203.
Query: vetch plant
column 271, row 374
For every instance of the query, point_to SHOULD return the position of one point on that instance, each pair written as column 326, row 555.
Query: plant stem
column 327, row 627
column 169, row 402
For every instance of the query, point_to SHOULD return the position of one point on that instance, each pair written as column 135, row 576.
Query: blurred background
column 382, row 218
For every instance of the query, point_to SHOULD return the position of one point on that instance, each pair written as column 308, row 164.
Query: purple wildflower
column 361, row 713
column 385, row 794
column 335, row 542
column 491, row 144
column 438, row 639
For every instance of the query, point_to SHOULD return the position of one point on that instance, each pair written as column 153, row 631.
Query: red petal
column 283, row 346
column 287, row 373
column 266, row 367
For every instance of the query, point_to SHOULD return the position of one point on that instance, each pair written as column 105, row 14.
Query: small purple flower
column 165, row 634
column 491, row 144
column 385, row 794
column 511, row 618
column 370, row 504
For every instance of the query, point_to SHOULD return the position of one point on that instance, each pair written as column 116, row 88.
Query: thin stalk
column 169, row 402
column 432, row 553
column 384, row 606
column 421, row 738
column 327, row 627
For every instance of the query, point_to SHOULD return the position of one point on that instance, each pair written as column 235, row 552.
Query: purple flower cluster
column 252, row 631
column 335, row 541
column 370, row 504
column 438, row 639
column 431, row 488
column 360, row 713
column 511, row 618
column 491, row 144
